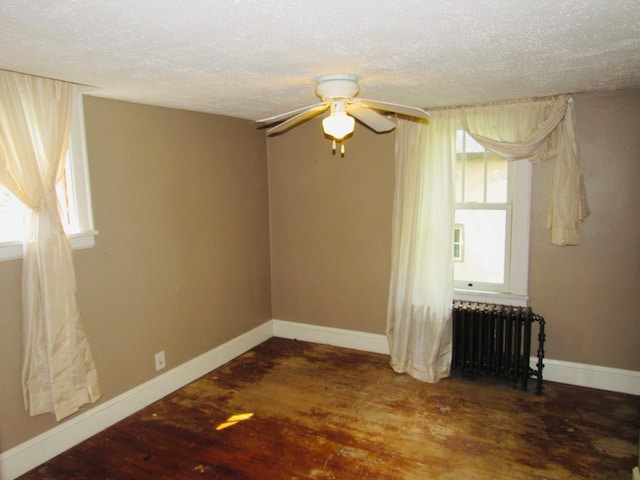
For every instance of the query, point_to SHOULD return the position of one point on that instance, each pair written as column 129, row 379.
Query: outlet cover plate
column 160, row 360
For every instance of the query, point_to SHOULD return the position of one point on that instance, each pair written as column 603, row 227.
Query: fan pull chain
column 334, row 146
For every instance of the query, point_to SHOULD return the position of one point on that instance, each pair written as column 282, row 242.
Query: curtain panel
column 58, row 372
column 421, row 285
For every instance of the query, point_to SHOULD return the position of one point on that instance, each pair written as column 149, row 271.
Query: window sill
column 13, row 250
column 490, row 297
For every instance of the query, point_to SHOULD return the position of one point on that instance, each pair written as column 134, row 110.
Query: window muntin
column 12, row 216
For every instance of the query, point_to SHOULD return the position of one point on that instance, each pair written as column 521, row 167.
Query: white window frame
column 515, row 291
column 80, row 208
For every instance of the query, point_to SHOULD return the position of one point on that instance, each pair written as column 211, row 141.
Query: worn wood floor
column 320, row 412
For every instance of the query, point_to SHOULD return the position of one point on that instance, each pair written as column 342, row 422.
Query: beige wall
column 182, row 260
column 181, row 263
column 331, row 223
column 330, row 228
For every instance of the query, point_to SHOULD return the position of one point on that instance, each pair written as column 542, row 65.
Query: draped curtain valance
column 538, row 130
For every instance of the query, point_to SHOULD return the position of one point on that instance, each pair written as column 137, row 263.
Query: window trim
column 79, row 241
column 78, row 172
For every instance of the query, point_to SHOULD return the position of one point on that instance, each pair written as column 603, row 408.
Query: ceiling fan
column 338, row 93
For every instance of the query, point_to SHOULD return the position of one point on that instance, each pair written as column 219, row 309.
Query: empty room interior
column 204, row 235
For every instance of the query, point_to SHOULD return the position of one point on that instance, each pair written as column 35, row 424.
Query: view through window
column 13, row 213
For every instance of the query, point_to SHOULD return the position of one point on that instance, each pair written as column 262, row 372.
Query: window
column 73, row 191
column 458, row 243
column 490, row 246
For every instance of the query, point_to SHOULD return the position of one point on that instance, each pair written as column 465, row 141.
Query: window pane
column 497, row 179
column 484, row 246
column 474, row 178
column 12, row 215
column 460, row 138
column 471, row 146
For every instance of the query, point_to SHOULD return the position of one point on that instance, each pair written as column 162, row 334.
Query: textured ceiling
column 256, row 58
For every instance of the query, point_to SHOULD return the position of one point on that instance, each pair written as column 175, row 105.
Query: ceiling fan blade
column 392, row 107
column 301, row 117
column 283, row 116
column 371, row 118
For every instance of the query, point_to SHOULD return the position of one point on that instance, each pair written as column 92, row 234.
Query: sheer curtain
column 421, row 286
column 59, row 374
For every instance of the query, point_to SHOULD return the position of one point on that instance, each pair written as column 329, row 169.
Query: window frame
column 515, row 289
column 77, row 171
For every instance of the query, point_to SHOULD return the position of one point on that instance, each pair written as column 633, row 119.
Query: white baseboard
column 592, row 376
column 28, row 455
column 369, row 342
column 584, row 375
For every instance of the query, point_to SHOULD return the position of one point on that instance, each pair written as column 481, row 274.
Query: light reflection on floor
column 233, row 419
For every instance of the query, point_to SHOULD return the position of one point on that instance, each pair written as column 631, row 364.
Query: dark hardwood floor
column 310, row 411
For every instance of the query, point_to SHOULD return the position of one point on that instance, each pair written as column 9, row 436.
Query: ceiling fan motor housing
column 337, row 86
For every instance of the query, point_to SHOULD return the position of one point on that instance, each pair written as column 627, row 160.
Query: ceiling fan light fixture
column 338, row 125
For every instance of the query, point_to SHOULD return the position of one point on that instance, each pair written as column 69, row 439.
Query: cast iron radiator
column 495, row 340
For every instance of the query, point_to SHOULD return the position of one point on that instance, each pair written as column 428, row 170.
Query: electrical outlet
column 160, row 361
